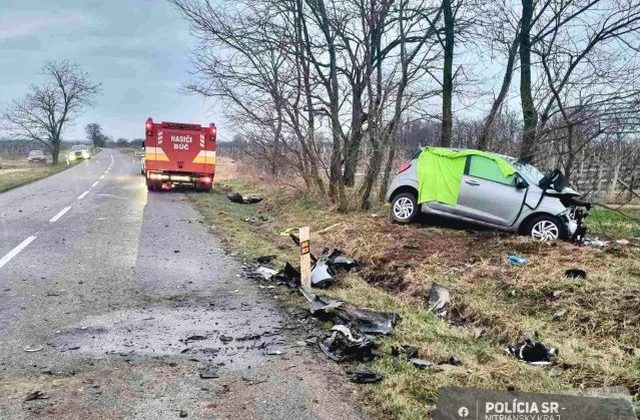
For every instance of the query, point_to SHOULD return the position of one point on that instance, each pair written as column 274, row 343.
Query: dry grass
column 17, row 171
column 598, row 338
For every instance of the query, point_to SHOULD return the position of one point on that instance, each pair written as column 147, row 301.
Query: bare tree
column 94, row 134
column 500, row 29
column 447, row 73
column 592, row 79
column 44, row 112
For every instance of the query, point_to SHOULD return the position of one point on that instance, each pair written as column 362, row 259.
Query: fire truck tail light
column 213, row 131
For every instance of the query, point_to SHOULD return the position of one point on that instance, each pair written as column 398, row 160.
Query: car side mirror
column 520, row 183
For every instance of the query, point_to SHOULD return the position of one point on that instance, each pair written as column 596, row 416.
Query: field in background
column 597, row 333
column 16, row 171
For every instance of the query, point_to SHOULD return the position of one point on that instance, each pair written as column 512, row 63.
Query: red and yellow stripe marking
column 208, row 157
column 155, row 153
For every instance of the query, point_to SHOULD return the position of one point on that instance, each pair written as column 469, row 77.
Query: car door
column 487, row 195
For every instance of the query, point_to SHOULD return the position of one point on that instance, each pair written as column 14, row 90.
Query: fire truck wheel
column 153, row 187
column 203, row 187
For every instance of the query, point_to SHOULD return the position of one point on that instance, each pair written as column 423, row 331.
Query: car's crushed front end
column 574, row 217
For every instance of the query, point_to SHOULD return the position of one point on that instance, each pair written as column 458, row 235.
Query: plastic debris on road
column 266, row 273
column 368, row 321
column 344, row 343
column 209, row 374
column 289, row 275
column 36, row 395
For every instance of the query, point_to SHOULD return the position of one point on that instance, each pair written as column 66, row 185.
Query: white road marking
column 59, row 215
column 94, row 184
column 83, row 195
column 15, row 251
column 102, row 177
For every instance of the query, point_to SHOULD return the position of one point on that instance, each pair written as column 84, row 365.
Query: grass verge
column 598, row 335
column 16, row 172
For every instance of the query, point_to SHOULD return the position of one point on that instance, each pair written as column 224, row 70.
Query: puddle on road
column 235, row 337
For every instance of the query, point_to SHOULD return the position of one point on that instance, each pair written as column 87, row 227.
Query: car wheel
column 404, row 208
column 545, row 228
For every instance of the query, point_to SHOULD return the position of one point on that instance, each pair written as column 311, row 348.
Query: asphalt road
column 113, row 301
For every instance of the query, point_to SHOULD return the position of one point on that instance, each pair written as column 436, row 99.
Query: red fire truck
column 179, row 154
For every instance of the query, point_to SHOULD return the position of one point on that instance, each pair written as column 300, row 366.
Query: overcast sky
column 137, row 49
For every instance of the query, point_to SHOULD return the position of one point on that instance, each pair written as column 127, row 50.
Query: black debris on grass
column 533, row 352
column 367, row 321
column 343, row 344
column 265, row 259
column 242, row 199
column 575, row 273
column 364, row 376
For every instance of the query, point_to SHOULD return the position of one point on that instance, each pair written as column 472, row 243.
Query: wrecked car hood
column 566, row 192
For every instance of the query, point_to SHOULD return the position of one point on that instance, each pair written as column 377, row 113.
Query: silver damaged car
column 527, row 202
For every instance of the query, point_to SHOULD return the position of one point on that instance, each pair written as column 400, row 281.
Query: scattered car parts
column 367, row 321
column 515, row 259
column 322, row 275
column 344, row 344
column 439, row 300
column 575, row 273
column 533, row 352
column 364, row 376
column 243, row 199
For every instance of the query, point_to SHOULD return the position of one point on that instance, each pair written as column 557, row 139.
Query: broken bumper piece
column 367, row 321
column 344, row 343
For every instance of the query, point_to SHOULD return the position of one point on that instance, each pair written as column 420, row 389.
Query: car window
column 481, row 167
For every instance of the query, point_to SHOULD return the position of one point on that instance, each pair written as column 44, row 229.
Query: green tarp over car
column 440, row 172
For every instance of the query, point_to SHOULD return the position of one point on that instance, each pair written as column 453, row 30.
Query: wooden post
column 305, row 258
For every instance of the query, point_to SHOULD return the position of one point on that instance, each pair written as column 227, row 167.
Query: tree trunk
column 309, row 146
column 487, row 132
column 529, row 113
column 387, row 173
column 371, row 175
column 447, row 75
column 55, row 152
column 352, row 147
